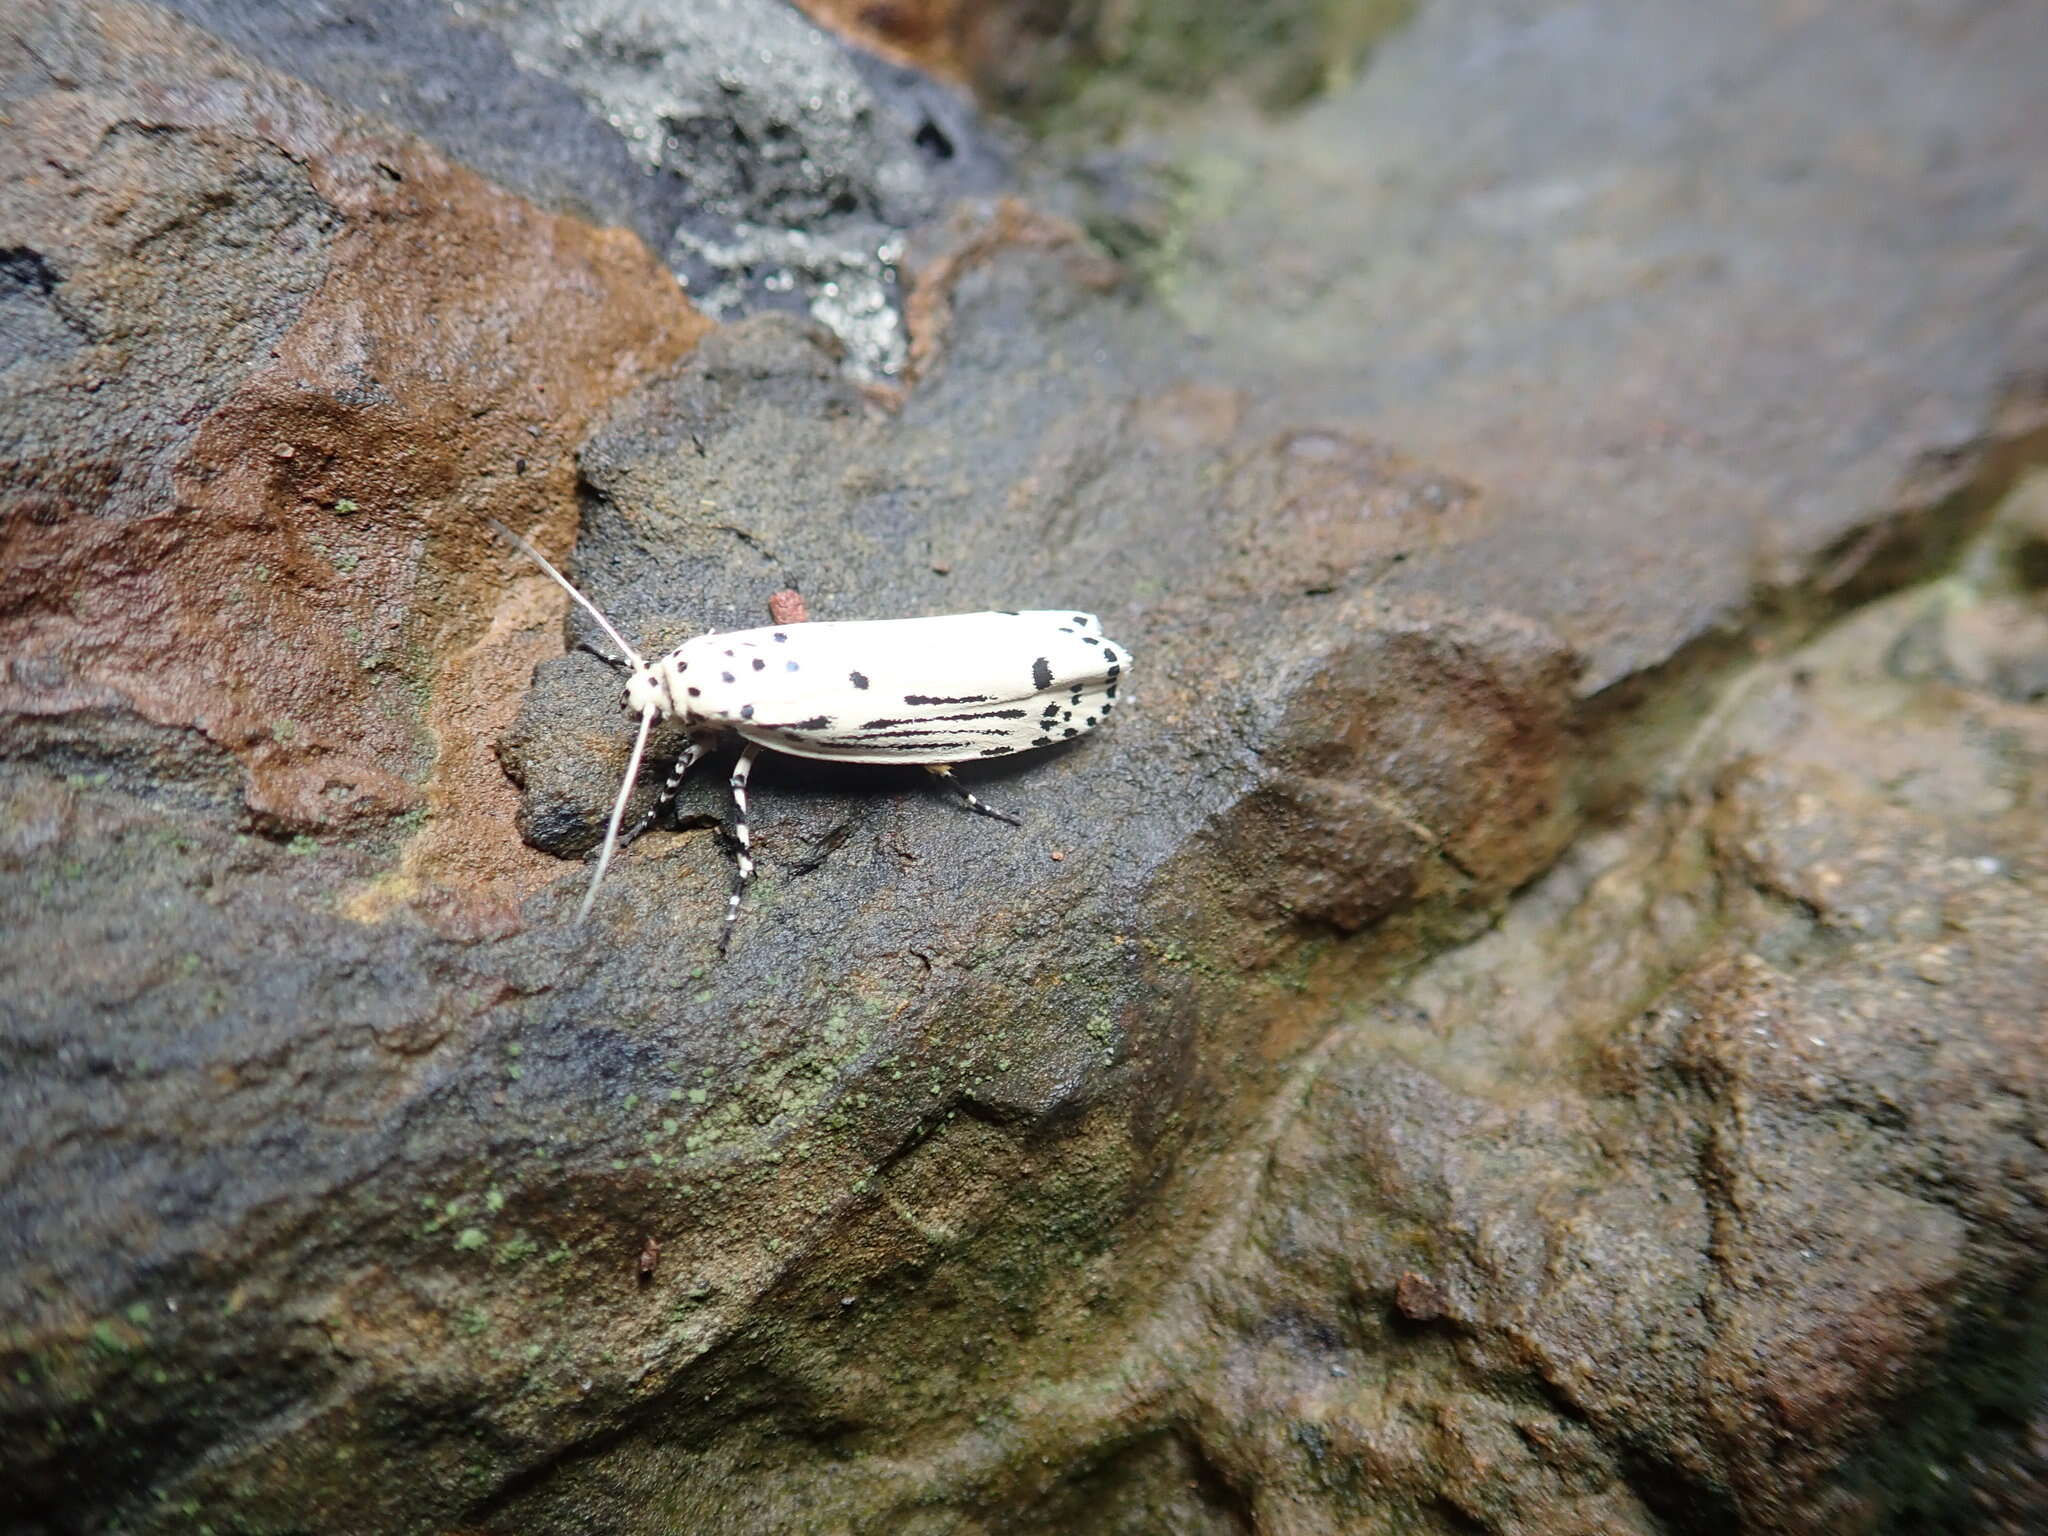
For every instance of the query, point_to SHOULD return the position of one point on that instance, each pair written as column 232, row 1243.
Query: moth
column 935, row 691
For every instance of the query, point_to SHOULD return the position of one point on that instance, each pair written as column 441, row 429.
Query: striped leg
column 944, row 775
column 684, row 764
column 743, row 870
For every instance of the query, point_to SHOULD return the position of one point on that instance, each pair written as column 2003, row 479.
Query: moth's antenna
column 611, row 831
column 603, row 655
column 589, row 607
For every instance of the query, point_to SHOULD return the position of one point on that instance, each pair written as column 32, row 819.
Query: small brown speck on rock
column 1418, row 1299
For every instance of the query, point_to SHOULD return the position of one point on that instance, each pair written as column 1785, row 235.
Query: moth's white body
column 934, row 691
column 940, row 690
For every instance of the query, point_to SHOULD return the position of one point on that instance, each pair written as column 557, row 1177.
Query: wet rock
column 288, row 401
column 1378, row 1083
column 568, row 723
column 767, row 166
column 38, row 818
column 798, row 173
column 1671, row 200
column 1370, row 722
column 444, row 77
column 1777, row 1250
column 1418, row 762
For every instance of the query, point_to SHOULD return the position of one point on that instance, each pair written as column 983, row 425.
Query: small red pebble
column 787, row 607
column 1057, row 856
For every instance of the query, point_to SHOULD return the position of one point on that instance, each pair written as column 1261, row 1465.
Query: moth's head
column 647, row 688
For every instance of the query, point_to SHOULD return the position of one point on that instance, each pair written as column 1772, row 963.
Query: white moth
column 935, row 691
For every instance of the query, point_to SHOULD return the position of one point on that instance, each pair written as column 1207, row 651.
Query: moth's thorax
column 721, row 678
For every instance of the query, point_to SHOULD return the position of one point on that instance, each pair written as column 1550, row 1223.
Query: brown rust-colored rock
column 1421, row 757
column 300, row 358
column 1326, row 509
column 925, row 34
column 973, row 235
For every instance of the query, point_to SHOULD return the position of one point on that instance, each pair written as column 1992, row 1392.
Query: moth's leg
column 944, row 774
column 743, row 866
column 684, row 764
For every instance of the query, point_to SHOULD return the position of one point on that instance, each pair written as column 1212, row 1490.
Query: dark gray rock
column 125, row 333
column 1588, row 260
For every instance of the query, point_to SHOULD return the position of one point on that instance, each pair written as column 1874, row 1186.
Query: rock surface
column 767, row 167
column 1531, row 1021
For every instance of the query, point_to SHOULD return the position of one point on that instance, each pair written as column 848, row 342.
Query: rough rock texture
column 795, row 169
column 277, row 363
column 1726, row 1147
column 1530, row 1022
column 1091, row 64
column 769, row 168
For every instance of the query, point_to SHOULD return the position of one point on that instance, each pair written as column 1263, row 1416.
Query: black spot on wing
column 857, row 680
column 916, row 700
column 1041, row 673
column 760, row 665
